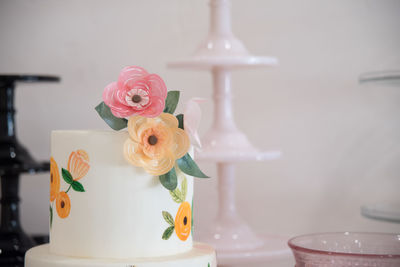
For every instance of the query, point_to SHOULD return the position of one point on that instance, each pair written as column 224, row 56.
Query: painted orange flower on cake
column 63, row 204
column 183, row 221
column 155, row 143
column 54, row 179
column 77, row 167
column 182, row 224
column 78, row 164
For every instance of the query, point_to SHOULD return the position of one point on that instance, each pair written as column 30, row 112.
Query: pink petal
column 108, row 93
column 123, row 91
column 191, row 118
column 121, row 113
column 117, row 109
column 157, row 85
column 129, row 75
column 156, row 107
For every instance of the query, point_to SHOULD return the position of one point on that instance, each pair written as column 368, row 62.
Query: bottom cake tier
column 200, row 255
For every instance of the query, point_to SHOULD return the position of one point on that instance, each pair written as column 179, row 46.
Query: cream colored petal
column 169, row 120
column 161, row 166
column 133, row 153
column 134, row 123
column 143, row 127
column 182, row 143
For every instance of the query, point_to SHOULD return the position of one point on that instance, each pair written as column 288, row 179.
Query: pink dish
column 346, row 249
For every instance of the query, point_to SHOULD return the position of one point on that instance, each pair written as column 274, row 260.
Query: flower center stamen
column 185, row 220
column 136, row 98
column 62, row 204
column 152, row 140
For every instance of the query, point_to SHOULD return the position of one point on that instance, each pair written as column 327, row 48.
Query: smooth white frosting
column 120, row 213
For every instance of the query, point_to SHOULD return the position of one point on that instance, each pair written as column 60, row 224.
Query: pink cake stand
column 225, row 145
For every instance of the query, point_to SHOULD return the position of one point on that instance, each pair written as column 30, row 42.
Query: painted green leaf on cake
column 180, row 120
column 77, row 186
column 67, row 176
column 168, row 232
column 51, row 216
column 180, row 195
column 188, row 166
column 184, row 188
column 168, row 218
column 112, row 121
column 176, row 195
column 169, row 180
column 171, row 102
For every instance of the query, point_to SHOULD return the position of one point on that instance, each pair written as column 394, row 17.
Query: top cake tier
column 101, row 206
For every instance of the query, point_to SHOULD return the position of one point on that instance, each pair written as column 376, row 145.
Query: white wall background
column 341, row 141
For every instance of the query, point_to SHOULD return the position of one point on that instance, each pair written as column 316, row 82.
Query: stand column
column 14, row 160
column 226, row 191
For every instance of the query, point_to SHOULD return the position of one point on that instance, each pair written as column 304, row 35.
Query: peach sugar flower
column 155, row 143
column 136, row 93
column 78, row 164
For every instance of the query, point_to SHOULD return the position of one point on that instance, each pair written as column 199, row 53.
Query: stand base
column 382, row 212
column 274, row 249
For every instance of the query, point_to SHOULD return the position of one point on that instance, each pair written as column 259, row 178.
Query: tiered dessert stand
column 224, row 144
column 15, row 160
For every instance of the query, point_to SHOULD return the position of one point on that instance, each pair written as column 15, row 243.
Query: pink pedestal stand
column 224, row 144
column 389, row 212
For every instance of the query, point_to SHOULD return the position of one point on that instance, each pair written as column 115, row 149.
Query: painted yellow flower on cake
column 54, row 179
column 78, row 164
column 155, row 143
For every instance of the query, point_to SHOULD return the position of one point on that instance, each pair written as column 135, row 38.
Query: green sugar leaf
column 180, row 120
column 77, row 186
column 171, row 102
column 67, row 176
column 112, row 121
column 168, row 232
column 188, row 166
column 169, row 180
column 168, row 218
column 177, row 196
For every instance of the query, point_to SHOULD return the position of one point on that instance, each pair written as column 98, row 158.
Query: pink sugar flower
column 136, row 93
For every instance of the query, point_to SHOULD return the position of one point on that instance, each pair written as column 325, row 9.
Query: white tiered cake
column 123, row 198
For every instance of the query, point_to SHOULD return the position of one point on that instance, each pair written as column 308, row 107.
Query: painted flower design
column 136, row 93
column 54, row 179
column 183, row 221
column 155, row 143
column 63, row 204
column 78, row 164
column 182, row 224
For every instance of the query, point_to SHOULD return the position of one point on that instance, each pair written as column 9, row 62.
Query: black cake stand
column 14, row 160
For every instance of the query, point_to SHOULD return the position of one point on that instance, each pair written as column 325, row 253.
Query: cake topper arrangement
column 158, row 141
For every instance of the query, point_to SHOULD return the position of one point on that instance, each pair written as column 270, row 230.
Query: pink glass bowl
column 346, row 249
